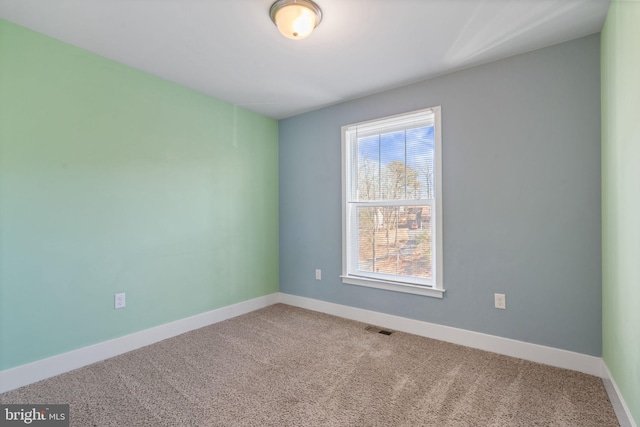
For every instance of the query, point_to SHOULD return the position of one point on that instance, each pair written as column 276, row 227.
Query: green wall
column 112, row 180
column 621, row 198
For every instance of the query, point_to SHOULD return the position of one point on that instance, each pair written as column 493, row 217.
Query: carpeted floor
column 285, row 366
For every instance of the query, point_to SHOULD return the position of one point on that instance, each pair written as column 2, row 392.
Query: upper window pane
column 395, row 165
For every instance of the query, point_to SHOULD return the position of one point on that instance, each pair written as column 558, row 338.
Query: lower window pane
column 395, row 240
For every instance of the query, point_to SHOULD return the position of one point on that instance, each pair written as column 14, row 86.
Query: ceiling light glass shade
column 295, row 19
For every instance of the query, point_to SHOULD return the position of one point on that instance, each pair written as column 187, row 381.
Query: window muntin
column 391, row 203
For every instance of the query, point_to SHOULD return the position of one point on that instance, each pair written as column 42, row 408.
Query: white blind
column 393, row 159
column 391, row 198
column 390, row 124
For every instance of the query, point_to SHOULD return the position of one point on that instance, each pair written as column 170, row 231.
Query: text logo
column 34, row 415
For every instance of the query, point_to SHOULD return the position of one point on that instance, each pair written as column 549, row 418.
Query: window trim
column 437, row 289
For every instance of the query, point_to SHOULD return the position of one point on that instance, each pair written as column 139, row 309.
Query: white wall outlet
column 500, row 301
column 318, row 274
column 120, row 301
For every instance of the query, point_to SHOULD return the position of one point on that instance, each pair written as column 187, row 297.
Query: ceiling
column 230, row 49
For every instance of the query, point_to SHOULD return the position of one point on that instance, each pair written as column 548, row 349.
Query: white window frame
column 433, row 287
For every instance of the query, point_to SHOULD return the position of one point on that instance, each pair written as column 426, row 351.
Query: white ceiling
column 230, row 49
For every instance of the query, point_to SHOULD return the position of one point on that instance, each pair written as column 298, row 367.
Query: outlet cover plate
column 120, row 301
column 500, row 301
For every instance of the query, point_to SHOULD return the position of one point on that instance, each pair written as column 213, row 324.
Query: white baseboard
column 533, row 352
column 42, row 369
column 55, row 365
column 617, row 401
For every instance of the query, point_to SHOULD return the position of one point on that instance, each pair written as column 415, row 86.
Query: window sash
column 355, row 133
column 354, row 241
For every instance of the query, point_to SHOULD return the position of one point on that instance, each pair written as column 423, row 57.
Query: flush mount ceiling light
column 295, row 19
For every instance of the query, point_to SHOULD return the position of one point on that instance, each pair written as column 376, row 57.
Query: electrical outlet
column 500, row 301
column 318, row 274
column 120, row 301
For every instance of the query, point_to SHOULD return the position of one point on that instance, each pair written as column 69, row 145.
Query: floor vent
column 378, row 330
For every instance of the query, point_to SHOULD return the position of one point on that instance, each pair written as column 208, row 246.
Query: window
column 392, row 209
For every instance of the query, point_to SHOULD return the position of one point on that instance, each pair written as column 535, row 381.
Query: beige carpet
column 285, row 366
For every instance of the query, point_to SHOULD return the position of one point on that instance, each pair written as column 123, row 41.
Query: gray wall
column 521, row 189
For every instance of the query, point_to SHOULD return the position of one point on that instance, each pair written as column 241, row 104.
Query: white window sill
column 394, row 286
